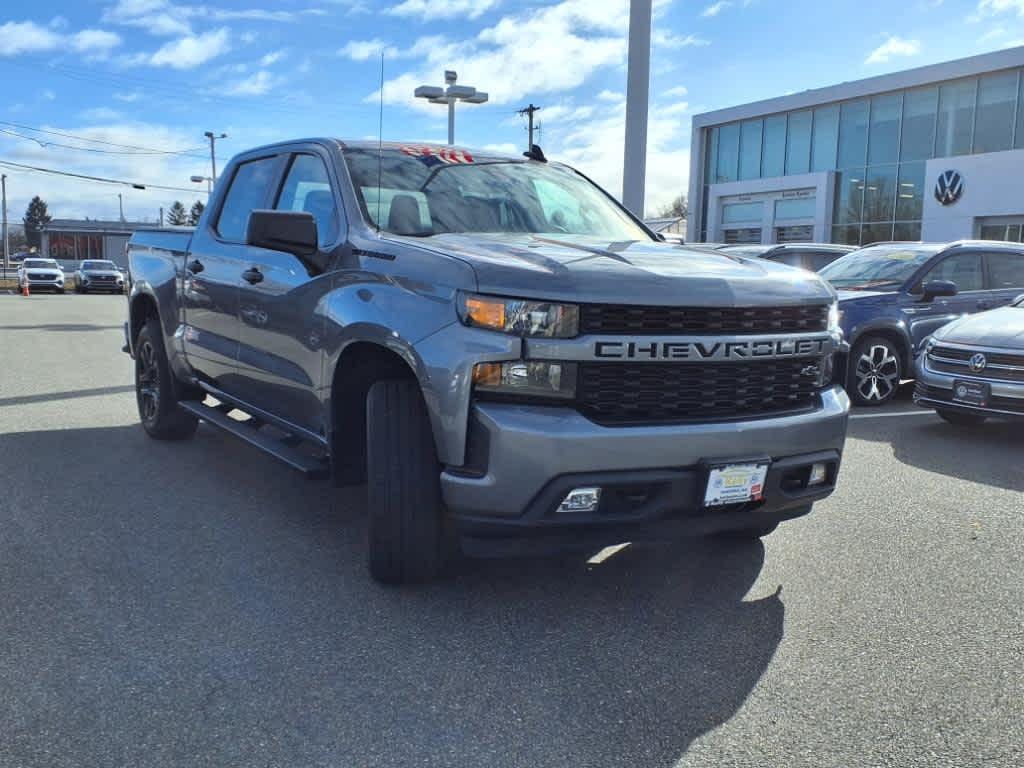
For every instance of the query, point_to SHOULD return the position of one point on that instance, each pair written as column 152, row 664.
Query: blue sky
column 125, row 78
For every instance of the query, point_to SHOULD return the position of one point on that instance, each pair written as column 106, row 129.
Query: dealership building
column 934, row 153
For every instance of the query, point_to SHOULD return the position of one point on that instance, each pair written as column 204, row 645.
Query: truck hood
column 579, row 269
column 997, row 328
column 855, row 295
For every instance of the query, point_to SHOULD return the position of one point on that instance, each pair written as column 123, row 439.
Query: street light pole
column 449, row 95
column 638, row 82
column 213, row 155
column 7, row 249
column 120, row 205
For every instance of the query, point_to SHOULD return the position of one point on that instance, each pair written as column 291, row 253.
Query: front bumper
column 934, row 389
column 522, row 460
column 37, row 285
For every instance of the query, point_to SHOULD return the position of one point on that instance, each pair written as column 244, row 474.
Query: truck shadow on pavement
column 981, row 454
column 196, row 603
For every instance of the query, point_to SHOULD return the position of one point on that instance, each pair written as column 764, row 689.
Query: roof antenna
column 380, row 140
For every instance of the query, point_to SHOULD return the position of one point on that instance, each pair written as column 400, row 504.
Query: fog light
column 581, row 500
column 819, row 472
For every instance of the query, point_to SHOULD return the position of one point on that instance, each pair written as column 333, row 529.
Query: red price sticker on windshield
column 445, row 155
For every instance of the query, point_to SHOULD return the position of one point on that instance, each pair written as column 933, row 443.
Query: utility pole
column 213, row 154
column 638, row 83
column 528, row 111
column 7, row 251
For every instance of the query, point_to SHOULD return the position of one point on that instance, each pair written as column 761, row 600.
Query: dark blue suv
column 892, row 296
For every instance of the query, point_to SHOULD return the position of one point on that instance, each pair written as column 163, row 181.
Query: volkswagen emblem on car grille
column 949, row 188
column 978, row 363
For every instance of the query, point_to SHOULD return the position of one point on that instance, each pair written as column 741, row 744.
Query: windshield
column 424, row 191
column 880, row 267
column 40, row 264
column 98, row 265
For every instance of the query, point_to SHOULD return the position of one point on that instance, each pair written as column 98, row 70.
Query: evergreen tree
column 177, row 216
column 36, row 217
column 196, row 213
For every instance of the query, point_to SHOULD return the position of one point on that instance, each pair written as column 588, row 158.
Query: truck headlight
column 526, row 378
column 835, row 316
column 521, row 317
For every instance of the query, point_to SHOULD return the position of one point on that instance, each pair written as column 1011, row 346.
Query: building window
column 907, row 231
column 750, row 149
column 742, row 213
column 798, row 143
column 62, row 246
column 826, row 136
column 1018, row 141
column 773, row 162
column 880, row 232
column 711, row 163
column 1009, row 232
column 880, row 193
column 997, row 97
column 728, row 152
column 919, row 109
column 956, row 118
column 910, row 194
column 849, row 200
column 853, row 133
column 794, row 208
column 847, row 235
column 884, row 140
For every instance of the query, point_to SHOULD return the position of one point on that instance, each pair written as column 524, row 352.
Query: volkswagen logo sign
column 978, row 363
column 949, row 188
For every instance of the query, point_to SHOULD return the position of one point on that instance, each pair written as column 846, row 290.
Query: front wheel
column 961, row 419
column 875, row 371
column 154, row 388
column 406, row 514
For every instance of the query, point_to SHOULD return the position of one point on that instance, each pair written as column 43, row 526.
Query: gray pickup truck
column 507, row 358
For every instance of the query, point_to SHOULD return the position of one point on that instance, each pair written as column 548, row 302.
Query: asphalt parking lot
column 198, row 604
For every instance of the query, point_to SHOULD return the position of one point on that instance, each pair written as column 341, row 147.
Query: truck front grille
column 672, row 393
column 629, row 319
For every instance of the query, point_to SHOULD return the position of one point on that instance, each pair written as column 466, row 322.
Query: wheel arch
column 142, row 305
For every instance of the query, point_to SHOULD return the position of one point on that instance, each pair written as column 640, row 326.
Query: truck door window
column 1006, row 270
column 248, row 191
column 308, row 188
column 964, row 269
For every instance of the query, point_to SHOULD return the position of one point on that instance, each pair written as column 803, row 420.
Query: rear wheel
column 154, row 388
column 875, row 371
column 406, row 514
column 961, row 419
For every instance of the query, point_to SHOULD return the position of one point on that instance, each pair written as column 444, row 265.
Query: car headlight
column 521, row 317
column 526, row 378
column 835, row 316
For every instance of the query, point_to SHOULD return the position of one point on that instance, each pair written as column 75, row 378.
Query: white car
column 41, row 274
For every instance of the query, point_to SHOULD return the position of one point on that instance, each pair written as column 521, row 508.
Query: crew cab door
column 966, row 269
column 280, row 328
column 212, row 266
column 1005, row 278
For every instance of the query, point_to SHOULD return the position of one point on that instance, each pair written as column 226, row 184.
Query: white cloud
column 996, row 7
column 99, row 114
column 17, row 37
column 667, row 40
column 506, row 148
column 546, row 50
column 128, row 98
column 715, row 8
column 273, row 57
column 255, row 85
column 156, row 17
column 894, row 46
column 679, row 90
column 361, row 50
column 248, row 37
column 48, row 95
column 442, row 9
column 191, row 51
column 95, row 41
column 607, row 95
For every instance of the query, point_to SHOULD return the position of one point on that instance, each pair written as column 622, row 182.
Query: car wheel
column 406, row 514
column 154, row 388
column 875, row 371
column 961, row 419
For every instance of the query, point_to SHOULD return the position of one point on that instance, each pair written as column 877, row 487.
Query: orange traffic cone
column 24, row 289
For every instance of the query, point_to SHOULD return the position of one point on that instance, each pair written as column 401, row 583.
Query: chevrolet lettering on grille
column 711, row 349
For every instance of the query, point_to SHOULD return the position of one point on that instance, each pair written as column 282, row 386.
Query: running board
column 278, row 448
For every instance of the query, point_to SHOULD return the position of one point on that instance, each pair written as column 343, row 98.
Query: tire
column 875, row 371
column 749, row 534
column 406, row 514
column 155, row 388
column 961, row 419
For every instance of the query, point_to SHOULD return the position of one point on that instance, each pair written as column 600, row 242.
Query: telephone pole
column 213, row 154
column 528, row 111
column 7, row 251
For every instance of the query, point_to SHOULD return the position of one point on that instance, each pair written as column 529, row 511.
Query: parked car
column 40, row 274
column 97, row 275
column 973, row 368
column 812, row 256
column 504, row 354
column 892, row 296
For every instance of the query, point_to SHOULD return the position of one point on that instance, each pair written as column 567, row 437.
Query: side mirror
column 933, row 289
column 292, row 232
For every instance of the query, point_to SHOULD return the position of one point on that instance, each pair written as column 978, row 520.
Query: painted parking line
column 917, row 412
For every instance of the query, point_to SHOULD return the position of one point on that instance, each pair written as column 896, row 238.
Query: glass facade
column 877, row 146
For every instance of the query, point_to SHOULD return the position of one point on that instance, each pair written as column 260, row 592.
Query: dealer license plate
column 971, row 392
column 735, row 484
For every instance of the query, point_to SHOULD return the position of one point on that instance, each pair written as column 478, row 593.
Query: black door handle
column 195, row 266
column 252, row 276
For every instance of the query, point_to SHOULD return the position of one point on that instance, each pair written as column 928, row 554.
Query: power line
column 101, row 179
column 139, row 150
column 95, row 150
